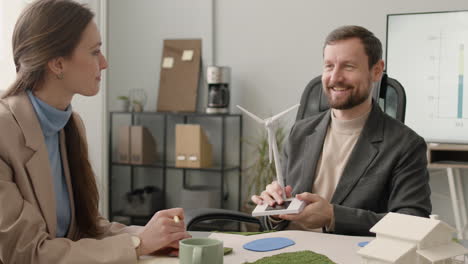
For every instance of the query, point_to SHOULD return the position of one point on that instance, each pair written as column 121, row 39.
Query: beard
column 354, row 99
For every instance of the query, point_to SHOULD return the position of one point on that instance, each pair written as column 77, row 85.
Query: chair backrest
column 389, row 93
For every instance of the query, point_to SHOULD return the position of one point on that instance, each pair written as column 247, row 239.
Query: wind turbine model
column 290, row 205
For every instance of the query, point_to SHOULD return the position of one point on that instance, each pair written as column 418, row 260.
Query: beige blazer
column 27, row 199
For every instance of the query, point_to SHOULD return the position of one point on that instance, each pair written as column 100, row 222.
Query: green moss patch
column 298, row 257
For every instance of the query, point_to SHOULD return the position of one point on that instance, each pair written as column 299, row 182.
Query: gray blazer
column 386, row 171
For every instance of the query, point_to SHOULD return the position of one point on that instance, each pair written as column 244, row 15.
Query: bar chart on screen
column 448, row 81
column 426, row 52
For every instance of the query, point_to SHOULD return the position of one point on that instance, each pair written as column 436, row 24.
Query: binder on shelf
column 136, row 145
column 143, row 146
column 193, row 150
column 123, row 145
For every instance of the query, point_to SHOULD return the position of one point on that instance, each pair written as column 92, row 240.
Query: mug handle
column 197, row 255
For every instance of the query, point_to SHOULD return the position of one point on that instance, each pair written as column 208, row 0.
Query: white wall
column 93, row 112
column 9, row 12
column 136, row 33
column 274, row 47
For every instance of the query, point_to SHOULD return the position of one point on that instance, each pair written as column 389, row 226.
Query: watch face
column 136, row 241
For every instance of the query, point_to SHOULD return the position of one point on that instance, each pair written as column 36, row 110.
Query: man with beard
column 353, row 163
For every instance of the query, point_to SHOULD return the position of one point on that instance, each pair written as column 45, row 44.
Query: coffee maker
column 218, row 78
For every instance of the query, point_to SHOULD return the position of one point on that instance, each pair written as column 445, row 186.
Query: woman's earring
column 60, row 76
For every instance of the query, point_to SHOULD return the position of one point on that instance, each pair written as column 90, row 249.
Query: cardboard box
column 136, row 145
column 142, row 146
column 123, row 146
column 180, row 75
column 193, row 150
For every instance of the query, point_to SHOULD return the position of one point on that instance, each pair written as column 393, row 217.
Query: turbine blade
column 256, row 118
column 270, row 148
column 273, row 118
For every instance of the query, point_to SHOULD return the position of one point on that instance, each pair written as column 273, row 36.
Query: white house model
column 406, row 239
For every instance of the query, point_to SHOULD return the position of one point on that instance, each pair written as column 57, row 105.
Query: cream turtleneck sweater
column 340, row 140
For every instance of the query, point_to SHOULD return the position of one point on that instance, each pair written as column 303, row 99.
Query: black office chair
column 390, row 95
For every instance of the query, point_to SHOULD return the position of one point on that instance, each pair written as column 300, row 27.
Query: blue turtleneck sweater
column 53, row 120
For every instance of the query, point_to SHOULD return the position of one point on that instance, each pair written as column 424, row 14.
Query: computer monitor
column 428, row 54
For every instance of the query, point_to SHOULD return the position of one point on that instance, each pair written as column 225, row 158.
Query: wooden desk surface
column 340, row 249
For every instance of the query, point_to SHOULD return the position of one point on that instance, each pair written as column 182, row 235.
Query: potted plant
column 123, row 103
column 137, row 106
column 138, row 98
column 261, row 172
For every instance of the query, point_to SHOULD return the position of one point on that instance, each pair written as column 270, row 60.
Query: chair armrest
column 194, row 216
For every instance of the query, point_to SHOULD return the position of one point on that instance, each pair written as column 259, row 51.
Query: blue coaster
column 363, row 244
column 268, row 244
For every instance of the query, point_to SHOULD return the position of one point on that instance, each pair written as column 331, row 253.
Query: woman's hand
column 162, row 231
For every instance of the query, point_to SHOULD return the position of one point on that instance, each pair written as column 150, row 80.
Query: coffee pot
column 217, row 78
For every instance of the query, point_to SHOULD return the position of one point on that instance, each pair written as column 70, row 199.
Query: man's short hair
column 372, row 45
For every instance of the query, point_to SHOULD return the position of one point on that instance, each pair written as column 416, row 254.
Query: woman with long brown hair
column 48, row 194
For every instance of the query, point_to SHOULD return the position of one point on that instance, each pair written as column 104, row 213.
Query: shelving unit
column 163, row 125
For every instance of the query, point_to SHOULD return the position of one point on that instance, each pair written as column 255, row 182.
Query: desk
column 340, row 249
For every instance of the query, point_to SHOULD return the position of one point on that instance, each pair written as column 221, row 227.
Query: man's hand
column 272, row 194
column 318, row 212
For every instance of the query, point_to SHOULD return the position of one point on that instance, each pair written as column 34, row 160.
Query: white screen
column 427, row 54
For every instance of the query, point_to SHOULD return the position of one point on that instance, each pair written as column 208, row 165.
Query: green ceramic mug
column 201, row 251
